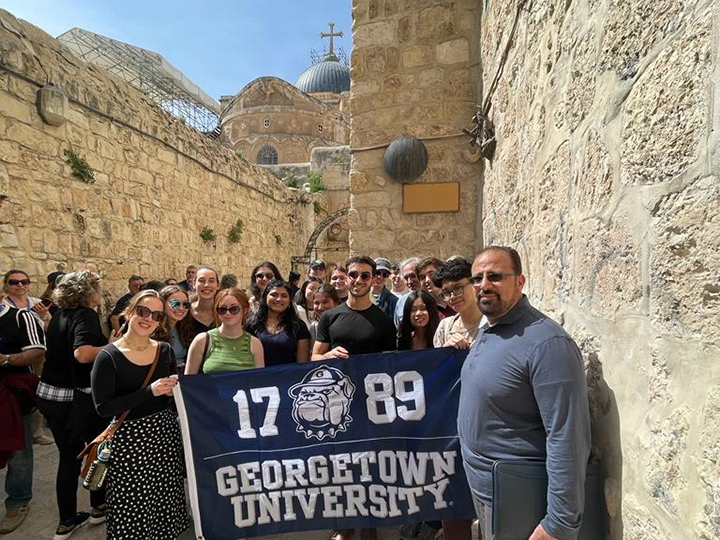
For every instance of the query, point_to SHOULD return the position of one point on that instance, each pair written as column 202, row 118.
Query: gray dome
column 326, row 76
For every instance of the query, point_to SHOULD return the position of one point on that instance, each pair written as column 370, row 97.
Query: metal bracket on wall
column 305, row 258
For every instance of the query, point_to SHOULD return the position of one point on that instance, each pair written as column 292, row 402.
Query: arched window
column 267, row 155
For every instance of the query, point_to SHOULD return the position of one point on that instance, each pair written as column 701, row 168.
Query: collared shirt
column 523, row 396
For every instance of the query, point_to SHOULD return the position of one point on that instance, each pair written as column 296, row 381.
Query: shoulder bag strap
column 149, row 375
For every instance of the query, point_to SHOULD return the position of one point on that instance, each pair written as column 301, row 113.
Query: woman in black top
column 74, row 338
column 207, row 284
column 145, row 495
column 285, row 338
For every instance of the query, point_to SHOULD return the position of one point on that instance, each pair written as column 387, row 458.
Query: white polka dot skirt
column 144, row 491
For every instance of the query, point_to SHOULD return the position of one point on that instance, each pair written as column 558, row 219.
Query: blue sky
column 220, row 46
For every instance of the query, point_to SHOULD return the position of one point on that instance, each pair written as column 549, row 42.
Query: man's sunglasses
column 144, row 312
column 16, row 282
column 232, row 310
column 175, row 304
column 362, row 276
column 492, row 277
column 383, row 273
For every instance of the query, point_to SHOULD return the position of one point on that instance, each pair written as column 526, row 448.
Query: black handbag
column 519, row 500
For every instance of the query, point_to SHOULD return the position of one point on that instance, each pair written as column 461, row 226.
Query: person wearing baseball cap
column 317, row 269
column 381, row 295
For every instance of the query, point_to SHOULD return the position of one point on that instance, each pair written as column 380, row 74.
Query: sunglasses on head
column 232, row 310
column 175, row 304
column 16, row 282
column 363, row 276
column 264, row 276
column 144, row 312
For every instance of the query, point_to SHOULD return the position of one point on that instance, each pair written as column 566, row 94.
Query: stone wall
column 414, row 72
column 606, row 180
column 157, row 182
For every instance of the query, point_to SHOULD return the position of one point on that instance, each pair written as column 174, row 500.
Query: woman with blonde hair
column 227, row 347
column 144, row 486
column 74, row 339
column 177, row 330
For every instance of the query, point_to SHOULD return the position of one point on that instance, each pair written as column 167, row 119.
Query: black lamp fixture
column 405, row 159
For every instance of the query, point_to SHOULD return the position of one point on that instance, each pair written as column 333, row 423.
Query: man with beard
column 355, row 327
column 523, row 396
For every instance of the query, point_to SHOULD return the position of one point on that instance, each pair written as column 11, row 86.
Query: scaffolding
column 150, row 73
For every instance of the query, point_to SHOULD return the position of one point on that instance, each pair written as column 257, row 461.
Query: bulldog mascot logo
column 321, row 403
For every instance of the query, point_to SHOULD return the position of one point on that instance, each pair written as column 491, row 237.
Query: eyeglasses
column 144, row 312
column 383, row 273
column 16, row 282
column 232, row 310
column 175, row 304
column 264, row 276
column 362, row 276
column 457, row 290
column 492, row 277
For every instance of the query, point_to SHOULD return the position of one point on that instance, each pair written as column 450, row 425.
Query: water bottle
column 95, row 478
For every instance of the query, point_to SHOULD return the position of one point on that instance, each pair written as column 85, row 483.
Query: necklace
column 134, row 348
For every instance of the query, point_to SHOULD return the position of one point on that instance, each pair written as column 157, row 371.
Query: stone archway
column 304, row 259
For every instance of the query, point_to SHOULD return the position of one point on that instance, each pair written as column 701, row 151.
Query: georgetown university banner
column 367, row 442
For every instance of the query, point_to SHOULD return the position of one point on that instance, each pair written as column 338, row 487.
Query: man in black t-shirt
column 22, row 344
column 357, row 326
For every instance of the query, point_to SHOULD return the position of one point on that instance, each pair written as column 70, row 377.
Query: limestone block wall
column 414, row 71
column 157, row 182
column 606, row 179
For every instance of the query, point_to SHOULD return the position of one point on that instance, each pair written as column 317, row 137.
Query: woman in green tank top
column 227, row 347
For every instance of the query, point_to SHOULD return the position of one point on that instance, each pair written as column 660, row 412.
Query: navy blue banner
column 365, row 442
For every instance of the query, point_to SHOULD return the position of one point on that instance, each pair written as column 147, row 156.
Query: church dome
column 327, row 76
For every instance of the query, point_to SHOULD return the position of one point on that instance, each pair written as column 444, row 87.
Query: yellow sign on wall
column 433, row 197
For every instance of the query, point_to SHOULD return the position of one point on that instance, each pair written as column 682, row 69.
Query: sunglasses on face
column 492, row 277
column 16, row 282
column 264, row 276
column 362, row 276
column 383, row 274
column 144, row 312
column 232, row 310
column 176, row 304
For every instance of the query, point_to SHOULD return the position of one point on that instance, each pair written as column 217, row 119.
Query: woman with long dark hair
column 419, row 322
column 260, row 276
column 285, row 338
column 305, row 296
column 145, row 492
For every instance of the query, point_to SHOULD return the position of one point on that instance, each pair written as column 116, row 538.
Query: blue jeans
column 19, row 479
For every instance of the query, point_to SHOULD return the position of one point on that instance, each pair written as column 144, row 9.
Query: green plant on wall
column 290, row 179
column 278, row 240
column 314, row 182
column 208, row 235
column 239, row 154
column 235, row 232
column 319, row 208
column 80, row 168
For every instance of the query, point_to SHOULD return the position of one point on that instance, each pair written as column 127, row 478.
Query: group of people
column 208, row 324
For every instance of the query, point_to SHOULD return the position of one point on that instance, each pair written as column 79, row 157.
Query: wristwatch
column 6, row 361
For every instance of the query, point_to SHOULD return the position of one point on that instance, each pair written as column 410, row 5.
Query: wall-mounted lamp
column 405, row 159
column 52, row 104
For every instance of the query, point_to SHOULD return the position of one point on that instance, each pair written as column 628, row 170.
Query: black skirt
column 144, row 489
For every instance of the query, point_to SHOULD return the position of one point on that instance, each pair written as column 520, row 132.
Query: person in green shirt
column 227, row 347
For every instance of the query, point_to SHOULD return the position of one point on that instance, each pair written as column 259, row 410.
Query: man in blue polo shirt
column 523, row 396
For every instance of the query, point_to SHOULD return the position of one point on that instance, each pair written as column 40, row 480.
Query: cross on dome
column 331, row 34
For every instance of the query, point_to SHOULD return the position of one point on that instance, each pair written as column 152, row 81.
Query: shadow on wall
column 606, row 448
